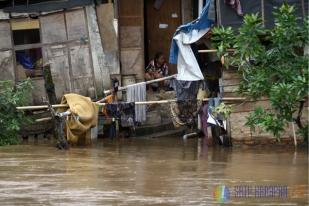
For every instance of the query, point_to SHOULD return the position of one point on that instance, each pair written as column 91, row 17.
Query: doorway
column 162, row 18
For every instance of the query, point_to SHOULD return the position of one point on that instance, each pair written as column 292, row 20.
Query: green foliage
column 272, row 64
column 224, row 110
column 12, row 96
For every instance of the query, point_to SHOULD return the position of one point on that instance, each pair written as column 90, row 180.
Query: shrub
column 12, row 96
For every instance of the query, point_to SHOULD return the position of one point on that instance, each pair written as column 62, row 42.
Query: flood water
column 163, row 171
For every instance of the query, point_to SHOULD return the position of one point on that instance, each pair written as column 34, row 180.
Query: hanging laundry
column 137, row 93
column 127, row 111
column 181, row 51
column 185, row 90
column 87, row 113
column 236, row 5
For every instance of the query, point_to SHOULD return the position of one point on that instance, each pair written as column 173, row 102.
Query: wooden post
column 49, row 84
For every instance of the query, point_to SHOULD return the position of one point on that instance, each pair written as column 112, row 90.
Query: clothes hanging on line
column 236, row 5
column 185, row 90
column 181, row 52
column 137, row 93
column 125, row 112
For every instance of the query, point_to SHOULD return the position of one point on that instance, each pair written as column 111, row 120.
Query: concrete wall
column 241, row 110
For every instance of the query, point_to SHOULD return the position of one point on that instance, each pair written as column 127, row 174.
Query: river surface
column 163, row 171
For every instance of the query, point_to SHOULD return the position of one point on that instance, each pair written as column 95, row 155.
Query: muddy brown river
column 163, row 171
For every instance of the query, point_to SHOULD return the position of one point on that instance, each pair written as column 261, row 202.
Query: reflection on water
column 165, row 171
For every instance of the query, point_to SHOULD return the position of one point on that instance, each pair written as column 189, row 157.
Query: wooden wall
column 131, row 37
column 66, row 47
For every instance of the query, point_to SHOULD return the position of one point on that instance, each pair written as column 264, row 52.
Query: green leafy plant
column 224, row 110
column 12, row 96
column 273, row 64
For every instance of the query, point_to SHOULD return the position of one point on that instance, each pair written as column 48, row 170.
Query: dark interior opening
column 28, row 36
column 29, row 63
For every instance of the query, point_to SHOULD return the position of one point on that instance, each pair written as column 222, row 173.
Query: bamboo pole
column 213, row 50
column 137, row 103
column 148, row 82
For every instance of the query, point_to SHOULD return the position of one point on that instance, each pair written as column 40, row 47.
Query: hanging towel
column 137, row 93
column 87, row 113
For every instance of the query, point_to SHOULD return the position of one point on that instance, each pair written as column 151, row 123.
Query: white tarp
column 187, row 65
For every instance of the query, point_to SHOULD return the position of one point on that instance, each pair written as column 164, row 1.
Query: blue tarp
column 24, row 60
column 203, row 22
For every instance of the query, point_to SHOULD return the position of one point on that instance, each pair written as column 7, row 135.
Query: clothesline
column 136, row 103
column 213, row 50
column 148, row 82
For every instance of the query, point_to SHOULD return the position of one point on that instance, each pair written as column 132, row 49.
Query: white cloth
column 187, row 65
column 137, row 93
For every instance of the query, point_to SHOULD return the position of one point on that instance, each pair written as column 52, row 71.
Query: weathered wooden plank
column 231, row 82
column 230, row 88
column 229, row 74
column 101, row 73
column 57, row 56
column 76, row 24
column 132, row 62
column 81, row 66
column 105, row 13
column 132, row 38
column 7, row 66
column 109, row 38
column 53, row 28
column 5, row 35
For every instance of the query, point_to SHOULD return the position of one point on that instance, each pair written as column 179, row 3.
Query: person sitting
column 156, row 69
